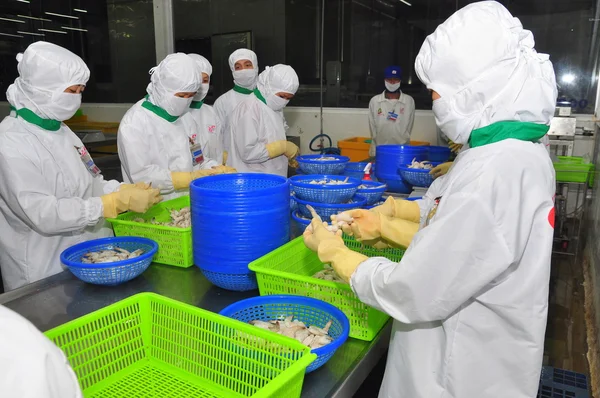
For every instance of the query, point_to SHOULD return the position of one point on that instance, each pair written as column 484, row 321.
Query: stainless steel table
column 62, row 297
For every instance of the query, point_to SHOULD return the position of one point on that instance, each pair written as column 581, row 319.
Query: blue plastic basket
column 325, row 210
column 309, row 165
column 109, row 274
column 302, row 188
column 389, row 157
column 372, row 194
column 226, row 210
column 417, row 177
column 308, row 310
column 394, row 183
column 439, row 153
column 356, row 170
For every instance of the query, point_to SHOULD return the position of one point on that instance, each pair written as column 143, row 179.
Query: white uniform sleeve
column 26, row 192
column 31, row 366
column 249, row 146
column 134, row 153
column 441, row 270
column 103, row 187
column 411, row 118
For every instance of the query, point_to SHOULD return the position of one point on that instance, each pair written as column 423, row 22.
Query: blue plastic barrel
column 237, row 218
column 389, row 158
column 439, row 154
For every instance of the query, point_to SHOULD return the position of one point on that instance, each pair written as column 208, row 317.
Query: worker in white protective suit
column 391, row 113
column 31, row 366
column 52, row 195
column 208, row 128
column 154, row 140
column 256, row 129
column 470, row 296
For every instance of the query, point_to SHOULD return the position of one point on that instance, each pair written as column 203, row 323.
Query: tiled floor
column 565, row 345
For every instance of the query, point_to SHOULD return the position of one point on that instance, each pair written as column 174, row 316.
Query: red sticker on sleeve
column 551, row 217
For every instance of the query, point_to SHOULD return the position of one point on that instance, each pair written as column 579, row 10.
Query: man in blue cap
column 391, row 113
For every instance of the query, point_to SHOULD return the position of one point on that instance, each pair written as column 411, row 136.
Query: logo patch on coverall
column 196, row 151
column 87, row 160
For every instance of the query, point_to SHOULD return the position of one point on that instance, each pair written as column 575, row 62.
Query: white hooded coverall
column 204, row 116
column 31, row 366
column 470, row 296
column 152, row 146
column 49, row 200
column 254, row 124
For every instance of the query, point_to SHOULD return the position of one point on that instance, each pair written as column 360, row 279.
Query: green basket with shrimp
column 290, row 269
column 174, row 243
column 151, row 346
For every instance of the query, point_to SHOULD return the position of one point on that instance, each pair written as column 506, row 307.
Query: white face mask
column 276, row 103
column 456, row 127
column 392, row 87
column 246, row 78
column 176, row 106
column 63, row 106
column 202, row 92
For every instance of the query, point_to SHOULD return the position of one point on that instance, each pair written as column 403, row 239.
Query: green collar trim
column 158, row 111
column 500, row 131
column 196, row 104
column 241, row 90
column 29, row 116
column 260, row 96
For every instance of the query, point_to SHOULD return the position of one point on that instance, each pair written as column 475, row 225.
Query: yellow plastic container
column 357, row 148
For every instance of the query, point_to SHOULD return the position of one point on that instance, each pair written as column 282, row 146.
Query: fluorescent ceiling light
column 37, row 19
column 568, row 78
column 11, row 20
column 30, row 33
column 10, row 35
column 79, row 10
column 23, row 1
column 406, row 2
column 77, row 29
column 60, row 15
column 53, row 31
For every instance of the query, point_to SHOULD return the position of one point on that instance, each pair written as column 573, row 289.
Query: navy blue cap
column 393, row 72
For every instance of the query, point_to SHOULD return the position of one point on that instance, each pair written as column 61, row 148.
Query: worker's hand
column 203, row 173
column 365, row 225
column 399, row 208
column 291, row 150
column 134, row 199
column 331, row 250
column 225, row 156
column 440, row 169
column 277, row 148
column 140, row 185
column 396, row 231
column 224, row 170
column 454, row 147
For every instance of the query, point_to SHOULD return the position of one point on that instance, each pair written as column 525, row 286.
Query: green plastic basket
column 572, row 169
column 152, row 346
column 289, row 270
column 174, row 244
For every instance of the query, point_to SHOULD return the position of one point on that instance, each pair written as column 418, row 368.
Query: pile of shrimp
column 110, row 256
column 310, row 336
column 424, row 165
column 179, row 219
column 328, row 181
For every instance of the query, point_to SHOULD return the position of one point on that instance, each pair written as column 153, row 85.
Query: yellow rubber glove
column 331, row 250
column 277, row 148
column 399, row 208
column 224, row 170
column 291, row 150
column 134, row 199
column 225, row 156
column 440, row 169
column 369, row 227
column 181, row 179
column 454, row 147
column 140, row 185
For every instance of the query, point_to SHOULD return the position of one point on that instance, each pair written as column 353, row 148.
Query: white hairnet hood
column 484, row 66
column 205, row 67
column 177, row 73
column 240, row 54
column 276, row 79
column 45, row 71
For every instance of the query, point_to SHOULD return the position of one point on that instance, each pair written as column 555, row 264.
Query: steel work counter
column 62, row 297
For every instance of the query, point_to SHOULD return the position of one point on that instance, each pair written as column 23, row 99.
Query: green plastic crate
column 174, row 244
column 289, row 270
column 572, row 169
column 151, row 346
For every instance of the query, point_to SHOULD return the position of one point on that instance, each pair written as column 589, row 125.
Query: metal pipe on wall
column 321, row 58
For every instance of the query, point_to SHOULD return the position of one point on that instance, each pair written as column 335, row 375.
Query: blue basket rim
column 296, row 181
column 371, row 190
column 414, row 198
column 196, row 185
column 408, row 169
column 309, row 159
column 401, row 148
column 110, row 240
column 308, row 301
column 357, row 200
column 296, row 216
column 439, row 148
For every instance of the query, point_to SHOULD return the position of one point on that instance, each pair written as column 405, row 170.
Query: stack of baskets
column 237, row 218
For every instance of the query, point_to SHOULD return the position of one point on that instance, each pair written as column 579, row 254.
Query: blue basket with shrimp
column 417, row 177
column 310, row 311
column 371, row 190
column 356, row 170
column 326, row 210
column 109, row 273
column 322, row 164
column 324, row 188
